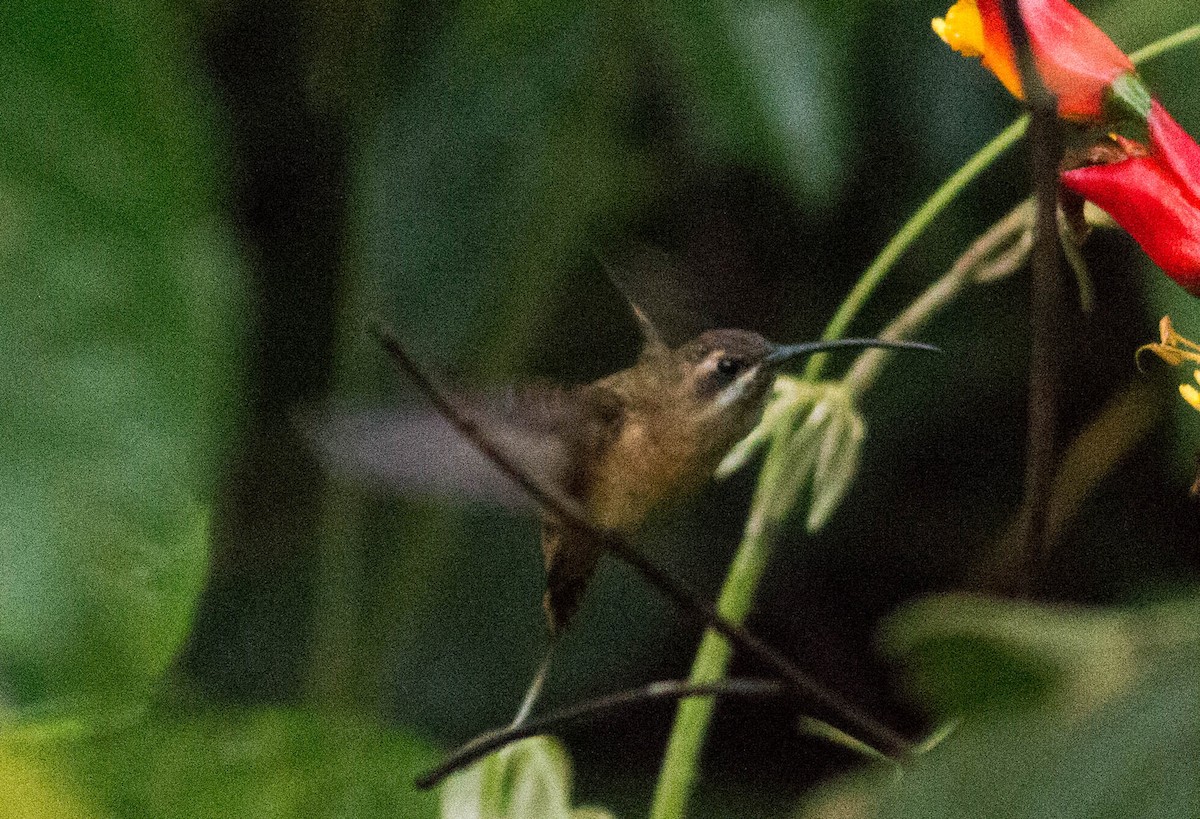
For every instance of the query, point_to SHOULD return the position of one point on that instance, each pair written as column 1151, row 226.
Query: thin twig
column 1046, row 298
column 568, row 511
column 548, row 497
column 882, row 737
column 484, row 744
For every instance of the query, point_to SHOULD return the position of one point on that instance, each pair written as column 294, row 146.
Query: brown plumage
column 647, row 434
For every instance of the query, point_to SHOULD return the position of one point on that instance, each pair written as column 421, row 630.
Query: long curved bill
column 786, row 352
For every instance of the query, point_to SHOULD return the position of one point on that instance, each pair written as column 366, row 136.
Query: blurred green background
column 201, row 204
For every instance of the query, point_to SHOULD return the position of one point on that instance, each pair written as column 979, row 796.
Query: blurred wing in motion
column 415, row 451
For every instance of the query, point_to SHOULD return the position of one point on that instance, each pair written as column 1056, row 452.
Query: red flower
column 1076, row 60
column 1154, row 194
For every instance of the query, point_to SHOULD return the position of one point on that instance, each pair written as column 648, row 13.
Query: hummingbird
column 621, row 446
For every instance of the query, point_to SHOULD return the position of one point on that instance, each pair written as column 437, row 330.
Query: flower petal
column 1076, row 60
column 1145, row 199
column 1191, row 395
column 961, row 28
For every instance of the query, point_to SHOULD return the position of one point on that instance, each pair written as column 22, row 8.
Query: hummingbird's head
column 728, row 373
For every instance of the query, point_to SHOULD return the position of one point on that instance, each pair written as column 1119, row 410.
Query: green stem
column 678, row 774
column 1180, row 38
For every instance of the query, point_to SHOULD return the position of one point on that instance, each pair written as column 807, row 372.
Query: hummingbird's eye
column 729, row 367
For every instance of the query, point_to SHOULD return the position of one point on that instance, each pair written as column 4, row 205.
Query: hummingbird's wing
column 664, row 299
column 416, row 451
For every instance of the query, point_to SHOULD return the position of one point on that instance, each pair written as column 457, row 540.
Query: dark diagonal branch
column 548, row 497
column 485, row 744
column 1046, row 300
column 805, row 687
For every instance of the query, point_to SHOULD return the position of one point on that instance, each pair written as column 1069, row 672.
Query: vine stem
column 680, row 764
column 678, row 775
column 1169, row 43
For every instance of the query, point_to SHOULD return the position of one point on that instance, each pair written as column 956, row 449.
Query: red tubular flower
column 1154, row 194
column 1076, row 60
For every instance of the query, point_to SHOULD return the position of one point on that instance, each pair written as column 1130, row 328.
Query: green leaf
column 115, row 349
column 1133, row 757
column 31, row 791
column 270, row 764
column 1121, row 745
column 975, row 655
